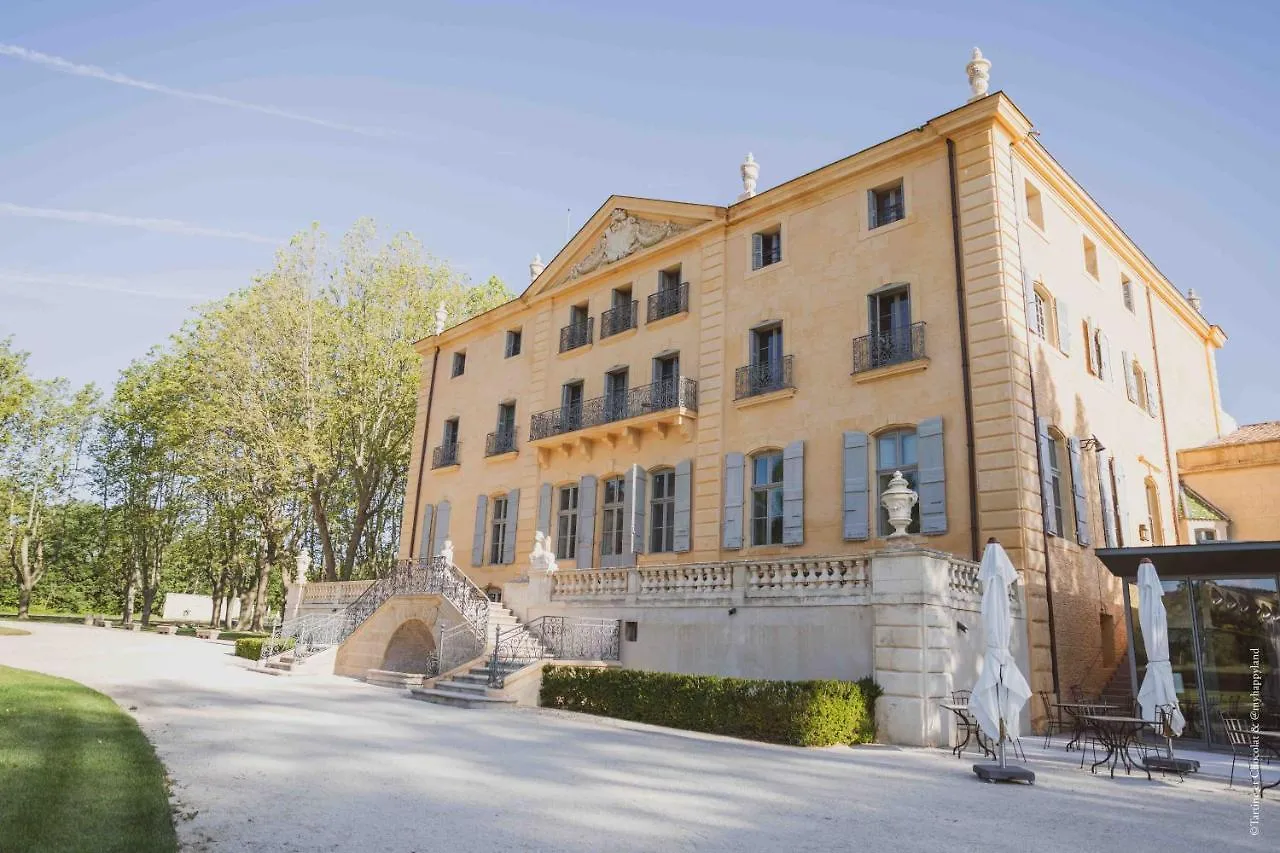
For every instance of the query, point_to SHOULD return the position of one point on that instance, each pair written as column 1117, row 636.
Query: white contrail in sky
column 101, row 284
column 167, row 226
column 66, row 66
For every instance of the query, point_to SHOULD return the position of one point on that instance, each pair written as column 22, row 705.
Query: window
column 571, row 406
column 766, row 248
column 896, row 451
column 1140, row 386
column 506, row 417
column 615, row 394
column 666, row 381
column 1090, row 257
column 766, row 345
column 769, row 369
column 1035, row 206
column 578, row 315
column 450, row 432
column 613, row 517
column 1126, row 293
column 669, row 279
column 630, row 631
column 890, row 313
column 567, row 524
column 459, row 363
column 886, row 205
column 1059, row 485
column 499, row 531
column 1205, row 535
column 621, row 314
column 672, row 296
column 1099, row 354
column 662, row 511
column 766, row 498
column 503, row 439
column 1044, row 321
column 513, row 342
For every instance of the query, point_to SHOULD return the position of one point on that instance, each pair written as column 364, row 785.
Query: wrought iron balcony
column 674, row 394
column 889, row 212
column 895, row 346
column 762, row 378
column 619, row 319
column 445, row 455
column 669, row 302
column 501, row 441
column 577, row 335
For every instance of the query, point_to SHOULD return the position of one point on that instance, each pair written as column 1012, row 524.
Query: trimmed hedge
column 251, row 647
column 801, row 713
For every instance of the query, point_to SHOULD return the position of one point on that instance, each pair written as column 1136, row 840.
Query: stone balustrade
column 590, row 583
column 821, row 576
column 685, row 581
column 964, row 590
column 335, row 592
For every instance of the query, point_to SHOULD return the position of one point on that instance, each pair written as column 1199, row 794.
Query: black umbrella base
column 1173, row 765
column 996, row 773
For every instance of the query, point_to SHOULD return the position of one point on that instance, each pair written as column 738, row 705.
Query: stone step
column 391, row 678
column 459, row 699
column 463, row 686
column 283, row 666
column 472, row 678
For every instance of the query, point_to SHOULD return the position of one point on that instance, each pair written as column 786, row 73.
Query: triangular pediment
column 622, row 228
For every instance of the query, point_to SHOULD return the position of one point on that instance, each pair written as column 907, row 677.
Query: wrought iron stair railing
column 563, row 637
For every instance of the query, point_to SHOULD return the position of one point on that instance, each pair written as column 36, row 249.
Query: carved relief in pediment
column 625, row 235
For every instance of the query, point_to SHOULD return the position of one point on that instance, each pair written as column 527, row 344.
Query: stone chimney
column 979, row 71
column 750, row 170
column 536, row 266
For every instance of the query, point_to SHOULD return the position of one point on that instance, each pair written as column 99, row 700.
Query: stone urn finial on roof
column 536, row 266
column 442, row 317
column 979, row 71
column 750, row 171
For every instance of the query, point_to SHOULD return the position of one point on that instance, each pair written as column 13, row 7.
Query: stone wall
column 367, row 646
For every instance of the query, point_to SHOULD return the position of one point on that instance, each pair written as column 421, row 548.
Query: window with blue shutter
column 477, row 536
column 586, row 521
column 637, row 482
column 1078, row 493
column 1122, row 504
column 1106, row 498
column 544, row 512
column 793, row 493
column 424, row 533
column 682, row 539
column 733, row 497
column 1063, row 313
column 442, row 527
column 1049, row 494
column 931, row 476
column 513, row 519
column 857, row 488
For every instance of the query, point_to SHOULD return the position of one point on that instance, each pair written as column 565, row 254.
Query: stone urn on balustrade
column 899, row 500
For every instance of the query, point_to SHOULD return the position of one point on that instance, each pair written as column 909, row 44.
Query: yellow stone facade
column 1240, row 475
column 973, row 178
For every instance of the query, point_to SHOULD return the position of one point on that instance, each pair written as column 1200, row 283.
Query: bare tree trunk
column 24, row 601
column 326, row 537
column 148, row 599
column 130, row 585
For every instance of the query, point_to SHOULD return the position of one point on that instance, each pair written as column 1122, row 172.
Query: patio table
column 972, row 731
column 1078, row 711
column 1117, row 735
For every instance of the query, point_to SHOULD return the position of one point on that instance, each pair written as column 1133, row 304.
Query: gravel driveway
column 330, row 764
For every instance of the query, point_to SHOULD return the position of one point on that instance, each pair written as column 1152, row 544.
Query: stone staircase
column 471, row 689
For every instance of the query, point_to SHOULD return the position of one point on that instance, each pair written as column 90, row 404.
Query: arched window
column 612, row 517
column 1153, row 512
column 1059, row 497
column 766, row 498
column 896, row 451
column 662, row 511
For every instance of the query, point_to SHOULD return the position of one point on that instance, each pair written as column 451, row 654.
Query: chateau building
column 694, row 383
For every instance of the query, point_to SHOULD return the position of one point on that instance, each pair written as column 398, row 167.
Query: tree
column 39, row 463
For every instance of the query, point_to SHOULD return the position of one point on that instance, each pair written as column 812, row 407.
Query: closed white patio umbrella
column 1157, row 684
column 1001, row 691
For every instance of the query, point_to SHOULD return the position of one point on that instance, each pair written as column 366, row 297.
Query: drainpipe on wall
column 966, row 377
column 422, row 461
column 1164, row 427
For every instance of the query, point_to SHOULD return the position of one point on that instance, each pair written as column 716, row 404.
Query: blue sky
column 476, row 125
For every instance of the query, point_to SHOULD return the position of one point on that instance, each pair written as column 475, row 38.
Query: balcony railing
column 577, row 335
column 762, row 378
column 445, row 455
column 895, row 346
column 618, row 319
column 669, row 302
column 501, row 441
column 668, row 394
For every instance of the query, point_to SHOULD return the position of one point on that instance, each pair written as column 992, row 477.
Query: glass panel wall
column 1238, row 635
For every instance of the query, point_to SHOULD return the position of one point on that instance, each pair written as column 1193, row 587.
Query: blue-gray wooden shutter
column 871, row 210
column 586, row 521
column 1029, row 298
column 1063, row 314
column 1122, row 507
column 1046, row 479
column 477, row 536
column 633, row 511
column 1104, row 350
column 1090, row 350
column 931, row 476
column 857, row 491
column 1104, row 496
column 733, row 497
column 757, row 251
column 513, row 519
column 1130, row 380
column 443, row 510
column 1078, row 492
column 424, row 535
column 544, row 510
column 793, row 493
column 1152, row 402
column 681, row 538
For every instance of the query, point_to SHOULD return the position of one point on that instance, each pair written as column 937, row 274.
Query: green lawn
column 76, row 772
